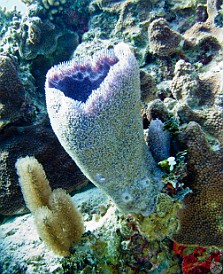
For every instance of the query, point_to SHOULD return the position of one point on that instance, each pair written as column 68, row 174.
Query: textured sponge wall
column 104, row 135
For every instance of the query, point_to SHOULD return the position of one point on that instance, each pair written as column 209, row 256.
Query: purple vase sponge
column 94, row 109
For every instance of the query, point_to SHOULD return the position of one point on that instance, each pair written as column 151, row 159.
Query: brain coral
column 202, row 218
column 94, row 108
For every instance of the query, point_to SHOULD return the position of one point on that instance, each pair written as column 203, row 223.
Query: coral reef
column 123, row 21
column 80, row 97
column 196, row 95
column 201, row 218
column 37, row 37
column 198, row 92
column 181, row 85
column 58, row 221
column 27, row 45
column 162, row 40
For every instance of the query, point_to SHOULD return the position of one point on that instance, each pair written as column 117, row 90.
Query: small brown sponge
column 202, row 217
column 58, row 221
column 35, row 187
column 61, row 224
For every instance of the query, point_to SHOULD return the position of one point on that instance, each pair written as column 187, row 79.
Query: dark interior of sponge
column 79, row 82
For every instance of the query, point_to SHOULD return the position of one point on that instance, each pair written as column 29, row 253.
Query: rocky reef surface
column 178, row 46
column 110, row 244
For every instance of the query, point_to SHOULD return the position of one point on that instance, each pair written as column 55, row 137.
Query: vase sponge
column 94, row 108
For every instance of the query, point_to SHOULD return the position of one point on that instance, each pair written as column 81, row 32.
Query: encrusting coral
column 58, row 222
column 163, row 222
column 185, row 83
column 163, row 41
column 37, row 37
column 94, row 109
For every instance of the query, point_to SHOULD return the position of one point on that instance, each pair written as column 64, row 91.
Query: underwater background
column 126, row 177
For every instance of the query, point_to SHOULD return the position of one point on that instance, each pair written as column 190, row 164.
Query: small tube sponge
column 60, row 224
column 94, row 109
column 58, row 221
column 34, row 184
column 159, row 140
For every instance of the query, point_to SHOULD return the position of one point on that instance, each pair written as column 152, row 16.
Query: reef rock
column 39, row 141
column 12, row 93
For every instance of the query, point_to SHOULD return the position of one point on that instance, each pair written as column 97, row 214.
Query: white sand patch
column 21, row 249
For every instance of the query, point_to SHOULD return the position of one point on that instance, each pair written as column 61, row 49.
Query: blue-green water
column 11, row 4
